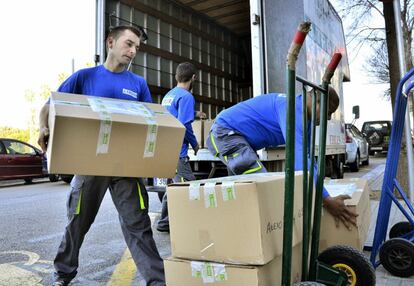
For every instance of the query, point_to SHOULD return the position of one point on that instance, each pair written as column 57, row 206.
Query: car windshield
column 375, row 126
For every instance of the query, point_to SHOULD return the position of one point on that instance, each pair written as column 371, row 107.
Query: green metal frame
column 315, row 271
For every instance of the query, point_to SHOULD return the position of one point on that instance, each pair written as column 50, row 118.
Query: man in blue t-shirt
column 239, row 131
column 180, row 103
column 113, row 80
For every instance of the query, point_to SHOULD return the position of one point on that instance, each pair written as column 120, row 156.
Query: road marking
column 23, row 272
column 124, row 272
column 126, row 269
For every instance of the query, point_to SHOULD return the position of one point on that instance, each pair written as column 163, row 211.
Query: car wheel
column 366, row 162
column 355, row 165
column 28, row 181
column 67, row 178
column 53, row 178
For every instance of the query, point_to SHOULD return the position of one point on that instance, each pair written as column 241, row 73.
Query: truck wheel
column 337, row 168
column 354, row 166
column 400, row 228
column 356, row 266
column 397, row 257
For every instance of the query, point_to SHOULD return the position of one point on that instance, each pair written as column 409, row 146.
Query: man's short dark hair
column 185, row 72
column 333, row 99
column 116, row 32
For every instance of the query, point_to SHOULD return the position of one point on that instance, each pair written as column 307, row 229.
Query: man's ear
column 110, row 42
column 194, row 77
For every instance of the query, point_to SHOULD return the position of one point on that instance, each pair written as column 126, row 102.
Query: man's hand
column 336, row 207
column 43, row 138
column 201, row 115
column 196, row 148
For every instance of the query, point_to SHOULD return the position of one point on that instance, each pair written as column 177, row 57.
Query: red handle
column 335, row 61
column 330, row 70
column 299, row 37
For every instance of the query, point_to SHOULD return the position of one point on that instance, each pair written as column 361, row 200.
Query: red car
column 20, row 160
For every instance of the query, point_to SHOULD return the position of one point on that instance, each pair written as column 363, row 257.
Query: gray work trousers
column 131, row 200
column 234, row 151
column 184, row 173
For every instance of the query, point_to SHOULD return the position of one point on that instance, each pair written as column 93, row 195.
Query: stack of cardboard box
column 201, row 130
column 229, row 231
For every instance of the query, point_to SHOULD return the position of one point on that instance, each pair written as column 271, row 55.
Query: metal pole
column 100, row 32
column 407, row 126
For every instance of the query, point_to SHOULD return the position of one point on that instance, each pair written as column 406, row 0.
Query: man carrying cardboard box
column 261, row 122
column 180, row 103
column 112, row 79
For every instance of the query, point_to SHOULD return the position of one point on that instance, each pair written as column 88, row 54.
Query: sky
column 44, row 36
column 362, row 89
column 39, row 40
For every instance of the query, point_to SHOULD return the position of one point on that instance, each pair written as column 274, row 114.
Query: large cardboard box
column 236, row 219
column 331, row 235
column 201, row 130
column 109, row 137
column 181, row 272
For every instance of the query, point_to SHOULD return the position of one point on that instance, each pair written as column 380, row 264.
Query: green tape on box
column 210, row 199
column 104, row 133
column 151, row 139
column 228, row 191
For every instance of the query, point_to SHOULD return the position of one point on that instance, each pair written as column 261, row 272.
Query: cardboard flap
column 351, row 187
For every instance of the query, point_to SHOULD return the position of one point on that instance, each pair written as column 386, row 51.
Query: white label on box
column 99, row 104
column 220, row 273
column 208, row 272
column 104, row 133
column 197, row 269
column 228, row 191
column 194, row 191
column 210, row 199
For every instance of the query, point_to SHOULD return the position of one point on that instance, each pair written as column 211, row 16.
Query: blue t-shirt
column 262, row 122
column 98, row 81
column 180, row 103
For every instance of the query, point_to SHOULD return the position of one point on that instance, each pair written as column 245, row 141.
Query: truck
column 239, row 48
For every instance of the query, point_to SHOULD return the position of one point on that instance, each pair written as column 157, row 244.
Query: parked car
column 378, row 135
column 357, row 148
column 20, row 160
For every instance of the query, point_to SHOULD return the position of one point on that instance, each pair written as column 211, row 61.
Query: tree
column 384, row 64
column 363, row 32
column 15, row 133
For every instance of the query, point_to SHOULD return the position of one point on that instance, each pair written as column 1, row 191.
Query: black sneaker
column 165, row 228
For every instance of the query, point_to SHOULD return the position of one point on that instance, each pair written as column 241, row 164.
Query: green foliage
column 15, row 133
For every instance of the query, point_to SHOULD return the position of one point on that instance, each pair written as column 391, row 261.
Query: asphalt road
column 32, row 220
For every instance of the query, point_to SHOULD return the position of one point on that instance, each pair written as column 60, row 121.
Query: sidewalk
column 375, row 179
